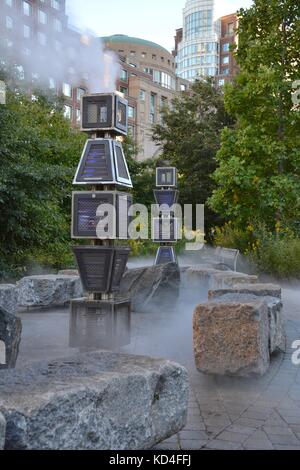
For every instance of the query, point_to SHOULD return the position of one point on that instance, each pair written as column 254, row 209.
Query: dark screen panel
column 96, row 164
column 166, row 197
column 165, row 255
column 97, row 112
column 122, row 170
column 166, row 177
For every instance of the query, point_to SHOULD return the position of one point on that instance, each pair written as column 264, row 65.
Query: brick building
column 148, row 80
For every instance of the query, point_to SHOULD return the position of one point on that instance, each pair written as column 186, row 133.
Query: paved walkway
column 224, row 413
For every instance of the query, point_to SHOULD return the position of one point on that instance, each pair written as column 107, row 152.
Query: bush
column 229, row 236
column 276, row 256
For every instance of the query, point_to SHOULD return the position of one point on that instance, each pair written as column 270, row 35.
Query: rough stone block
column 151, row 287
column 232, row 338
column 69, row 272
column 271, row 295
column 48, row 290
column 8, row 297
column 261, row 290
column 10, row 337
column 94, row 401
column 224, row 279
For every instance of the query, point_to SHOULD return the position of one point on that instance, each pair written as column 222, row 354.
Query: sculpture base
column 99, row 324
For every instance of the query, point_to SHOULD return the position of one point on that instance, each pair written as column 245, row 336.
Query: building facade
column 34, row 38
column 228, row 67
column 149, row 82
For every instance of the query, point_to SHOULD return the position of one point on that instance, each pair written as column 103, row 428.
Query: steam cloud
column 71, row 57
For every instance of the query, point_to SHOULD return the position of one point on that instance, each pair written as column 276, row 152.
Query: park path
column 224, row 413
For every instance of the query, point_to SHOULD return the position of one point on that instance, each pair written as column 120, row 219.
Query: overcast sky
column 155, row 20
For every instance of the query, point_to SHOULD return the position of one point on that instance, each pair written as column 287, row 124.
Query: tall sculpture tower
column 101, row 320
column 165, row 226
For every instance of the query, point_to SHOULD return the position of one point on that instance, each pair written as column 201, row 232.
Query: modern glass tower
column 198, row 52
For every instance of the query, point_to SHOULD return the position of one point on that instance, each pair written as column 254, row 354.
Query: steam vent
column 165, row 225
column 101, row 215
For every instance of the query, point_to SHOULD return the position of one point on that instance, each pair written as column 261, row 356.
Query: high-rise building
column 203, row 45
column 198, row 51
column 149, row 82
column 28, row 28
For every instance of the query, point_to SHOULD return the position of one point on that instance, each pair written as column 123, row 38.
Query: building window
column 225, row 71
column 131, row 131
column 80, row 92
column 42, row 38
column 163, row 101
column 42, row 17
column 8, row 3
column 57, row 25
column 78, row 116
column 26, row 31
column 221, row 82
column 26, row 51
column 68, row 111
column 124, row 75
column 26, row 8
column 152, row 108
column 9, row 22
column 132, row 65
column 124, row 89
column 153, row 56
column 142, row 95
column 226, row 47
column 144, row 55
column 182, row 87
column 225, row 60
column 132, row 53
column 67, row 90
column 131, row 112
column 230, row 28
column 55, row 4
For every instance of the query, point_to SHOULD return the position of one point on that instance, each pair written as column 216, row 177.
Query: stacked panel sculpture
column 101, row 215
column 166, row 226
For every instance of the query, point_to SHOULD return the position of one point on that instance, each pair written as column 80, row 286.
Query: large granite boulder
column 94, row 401
column 48, row 290
column 151, row 287
column 2, row 431
column 232, row 338
column 10, row 337
column 8, row 297
column 271, row 295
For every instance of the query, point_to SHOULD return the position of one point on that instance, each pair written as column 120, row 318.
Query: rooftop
column 119, row 38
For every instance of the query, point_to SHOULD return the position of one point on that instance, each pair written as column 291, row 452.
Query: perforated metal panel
column 84, row 213
column 165, row 255
column 101, row 268
column 166, row 177
column 168, row 197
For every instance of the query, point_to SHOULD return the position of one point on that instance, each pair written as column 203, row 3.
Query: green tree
column 259, row 161
column 39, row 152
column 189, row 136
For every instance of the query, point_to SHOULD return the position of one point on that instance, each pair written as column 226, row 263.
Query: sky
column 154, row 20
